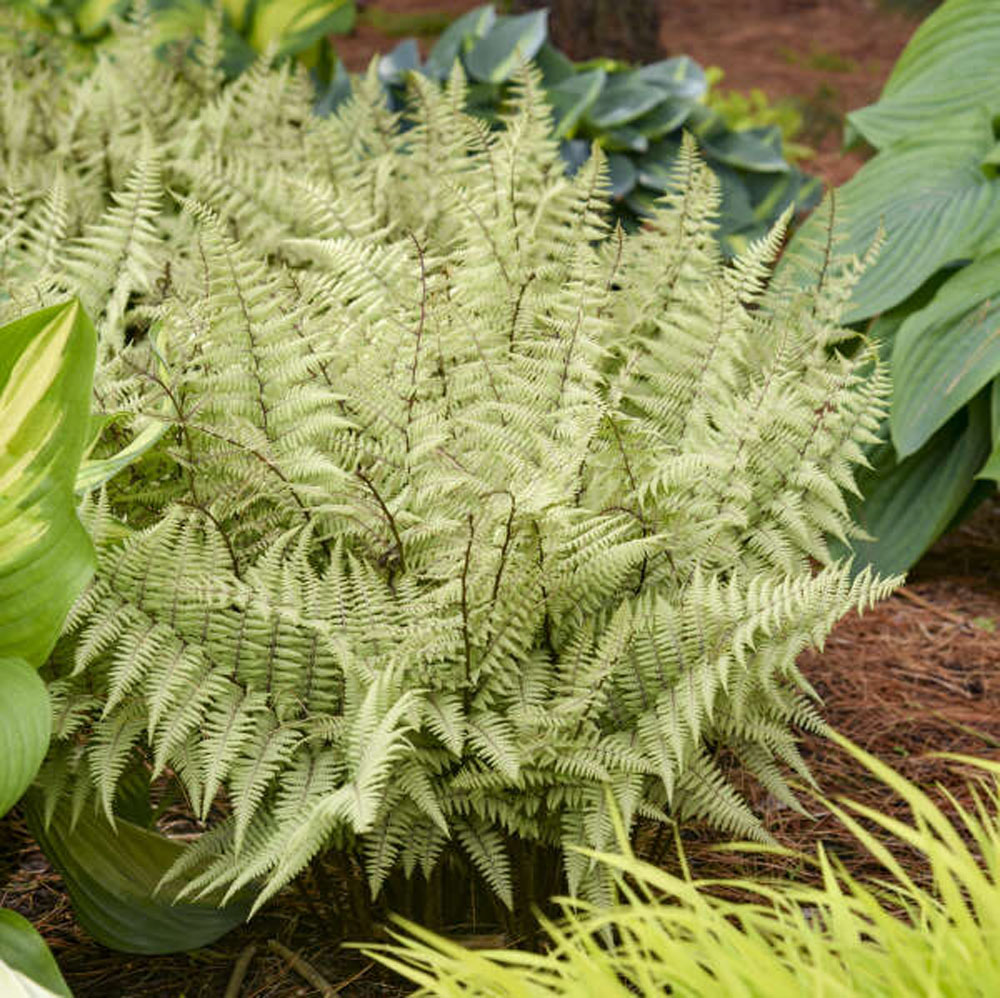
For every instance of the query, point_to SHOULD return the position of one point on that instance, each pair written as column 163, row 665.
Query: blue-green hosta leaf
column 771, row 193
column 623, row 175
column 25, row 726
column 575, row 152
column 458, row 38
column 556, row 67
column 336, row 92
column 931, row 197
column 909, row 504
column 679, row 76
column 625, row 139
column 46, row 369
column 572, row 98
column 511, row 42
column 657, row 167
column 404, row 58
column 113, row 875
column 950, row 66
column 22, row 950
column 945, row 353
column 665, row 118
column 624, row 98
column 757, row 150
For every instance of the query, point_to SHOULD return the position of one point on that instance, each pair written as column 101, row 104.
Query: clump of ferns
column 451, row 509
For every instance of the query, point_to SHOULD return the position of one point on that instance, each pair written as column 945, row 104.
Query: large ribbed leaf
column 509, row 43
column 46, row 369
column 951, row 65
column 909, row 504
column 945, row 353
column 932, row 198
column 25, row 726
column 23, row 951
column 112, row 875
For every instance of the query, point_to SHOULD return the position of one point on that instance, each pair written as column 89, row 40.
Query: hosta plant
column 900, row 937
column 46, row 370
column 933, row 187
column 297, row 28
column 466, row 511
column 636, row 114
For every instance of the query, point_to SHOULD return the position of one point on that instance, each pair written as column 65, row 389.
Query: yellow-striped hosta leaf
column 296, row 24
column 46, row 371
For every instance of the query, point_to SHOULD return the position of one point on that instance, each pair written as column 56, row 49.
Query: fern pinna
column 468, row 518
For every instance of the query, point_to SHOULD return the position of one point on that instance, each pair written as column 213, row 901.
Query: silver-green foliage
column 465, row 513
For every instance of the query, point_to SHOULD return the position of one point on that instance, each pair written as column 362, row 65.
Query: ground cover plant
column 843, row 938
column 447, row 508
column 933, row 185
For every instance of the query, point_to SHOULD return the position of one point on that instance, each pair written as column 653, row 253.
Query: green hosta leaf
column 934, row 202
column 624, row 98
column 25, row 726
column 458, row 38
column 909, row 504
column 680, row 76
column 23, row 951
column 46, row 367
column 572, row 98
column 945, row 353
column 112, row 875
column 510, row 42
column 950, row 66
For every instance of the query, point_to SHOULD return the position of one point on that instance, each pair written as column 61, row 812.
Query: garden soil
column 917, row 675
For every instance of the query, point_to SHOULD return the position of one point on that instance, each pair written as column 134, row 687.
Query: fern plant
column 461, row 510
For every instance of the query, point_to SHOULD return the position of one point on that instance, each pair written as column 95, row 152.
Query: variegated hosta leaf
column 26, row 962
column 46, row 368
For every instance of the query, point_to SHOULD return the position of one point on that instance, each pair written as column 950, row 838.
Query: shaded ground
column 919, row 674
